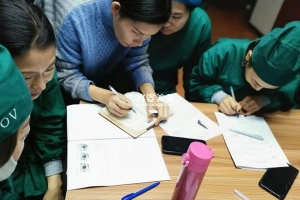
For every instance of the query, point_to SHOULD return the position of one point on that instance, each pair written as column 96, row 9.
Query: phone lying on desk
column 176, row 145
column 278, row 181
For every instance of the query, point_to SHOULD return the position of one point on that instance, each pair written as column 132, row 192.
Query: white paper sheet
column 101, row 154
column 184, row 121
column 84, row 123
column 114, row 162
column 247, row 152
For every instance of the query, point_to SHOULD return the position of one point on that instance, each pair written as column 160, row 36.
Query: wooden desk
column 222, row 177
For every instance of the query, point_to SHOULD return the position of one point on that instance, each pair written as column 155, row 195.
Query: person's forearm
column 99, row 94
column 54, row 181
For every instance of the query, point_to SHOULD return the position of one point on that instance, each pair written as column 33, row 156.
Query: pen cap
column 198, row 157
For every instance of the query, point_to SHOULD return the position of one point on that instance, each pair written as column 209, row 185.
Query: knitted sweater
column 87, row 48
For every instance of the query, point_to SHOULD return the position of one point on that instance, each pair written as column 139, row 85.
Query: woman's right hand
column 117, row 106
column 229, row 106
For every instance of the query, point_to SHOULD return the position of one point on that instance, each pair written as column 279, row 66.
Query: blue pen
column 142, row 191
column 233, row 96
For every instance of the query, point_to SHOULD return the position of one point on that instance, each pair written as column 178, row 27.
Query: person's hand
column 119, row 106
column 251, row 104
column 229, row 106
column 54, row 188
column 162, row 108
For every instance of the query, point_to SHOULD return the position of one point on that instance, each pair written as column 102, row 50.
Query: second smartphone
column 176, row 145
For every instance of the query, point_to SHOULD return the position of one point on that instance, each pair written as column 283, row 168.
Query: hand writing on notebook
column 119, row 104
column 251, row 104
column 229, row 106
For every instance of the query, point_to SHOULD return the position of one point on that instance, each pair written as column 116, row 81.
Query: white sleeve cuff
column 218, row 96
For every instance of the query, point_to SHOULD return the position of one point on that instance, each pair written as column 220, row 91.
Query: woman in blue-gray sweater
column 102, row 41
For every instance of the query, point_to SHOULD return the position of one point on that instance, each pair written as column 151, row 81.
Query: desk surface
column 221, row 177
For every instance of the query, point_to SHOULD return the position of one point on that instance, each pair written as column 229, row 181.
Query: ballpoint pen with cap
column 116, row 93
column 142, row 191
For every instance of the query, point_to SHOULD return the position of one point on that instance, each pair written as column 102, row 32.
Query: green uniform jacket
column 220, row 67
column 46, row 142
column 168, row 53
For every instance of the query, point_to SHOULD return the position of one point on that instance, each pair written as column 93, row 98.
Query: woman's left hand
column 251, row 104
column 153, row 103
column 54, row 188
column 162, row 108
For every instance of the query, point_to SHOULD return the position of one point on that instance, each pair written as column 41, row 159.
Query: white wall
column 264, row 14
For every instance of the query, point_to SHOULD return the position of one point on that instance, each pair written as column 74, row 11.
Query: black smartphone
column 278, row 181
column 176, row 145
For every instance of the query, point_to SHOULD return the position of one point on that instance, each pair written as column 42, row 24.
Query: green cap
column 276, row 58
column 15, row 99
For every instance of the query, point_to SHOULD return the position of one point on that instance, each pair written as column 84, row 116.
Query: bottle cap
column 198, row 156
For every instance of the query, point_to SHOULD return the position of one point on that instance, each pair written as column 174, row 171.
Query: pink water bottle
column 194, row 165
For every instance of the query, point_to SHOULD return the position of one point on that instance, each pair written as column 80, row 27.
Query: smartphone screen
column 278, row 181
column 176, row 145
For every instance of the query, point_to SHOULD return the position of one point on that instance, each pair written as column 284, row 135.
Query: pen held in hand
column 142, row 191
column 233, row 96
column 246, row 134
column 120, row 97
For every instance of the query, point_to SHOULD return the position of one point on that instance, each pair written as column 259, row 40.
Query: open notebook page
column 114, row 162
column 101, row 154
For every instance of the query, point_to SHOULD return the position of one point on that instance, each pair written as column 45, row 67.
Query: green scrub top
column 221, row 67
column 168, row 53
column 45, row 142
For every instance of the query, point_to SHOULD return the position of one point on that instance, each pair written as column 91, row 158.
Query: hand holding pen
column 229, row 106
column 119, row 104
column 237, row 107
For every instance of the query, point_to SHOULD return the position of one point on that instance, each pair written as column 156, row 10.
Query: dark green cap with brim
column 276, row 58
column 15, row 98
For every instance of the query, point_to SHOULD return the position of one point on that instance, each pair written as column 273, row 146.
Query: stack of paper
column 184, row 121
column 248, row 152
column 101, row 154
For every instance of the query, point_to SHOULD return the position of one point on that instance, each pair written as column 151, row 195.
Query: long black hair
column 148, row 11
column 24, row 26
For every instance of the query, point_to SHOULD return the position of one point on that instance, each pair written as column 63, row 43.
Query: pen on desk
column 246, row 134
column 116, row 93
column 142, row 191
column 239, row 194
column 233, row 96
column 200, row 123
